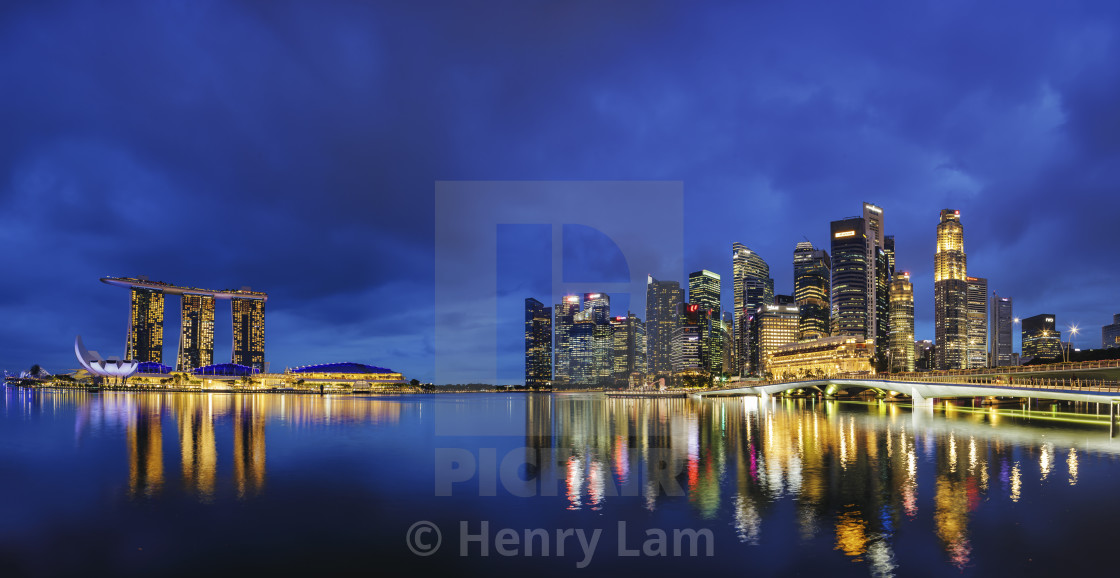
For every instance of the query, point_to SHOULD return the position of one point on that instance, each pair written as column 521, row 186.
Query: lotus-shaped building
column 111, row 367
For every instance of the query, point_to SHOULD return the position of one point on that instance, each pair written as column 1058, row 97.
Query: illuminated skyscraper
column 950, row 290
column 1110, row 334
column 704, row 291
column 629, row 349
column 1041, row 339
column 888, row 246
column 688, row 340
column 773, row 326
column 145, row 330
column 902, row 324
column 196, row 342
column 565, row 312
column 878, row 275
column 753, row 287
column 850, row 292
column 812, row 274
column 538, row 344
column 999, row 346
column 977, row 322
column 663, row 306
column 597, row 308
column 248, row 332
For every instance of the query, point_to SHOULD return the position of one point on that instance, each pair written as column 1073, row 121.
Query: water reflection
column 855, row 472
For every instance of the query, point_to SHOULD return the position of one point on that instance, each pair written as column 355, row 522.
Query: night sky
column 295, row 147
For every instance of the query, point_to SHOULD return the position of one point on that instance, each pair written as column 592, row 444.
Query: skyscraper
column 1041, row 339
column 145, row 329
column 850, row 292
column 950, row 290
column 663, row 306
column 248, row 332
column 704, row 291
column 977, row 322
column 1110, row 334
column 565, row 312
column 888, row 246
column 196, row 343
column 597, row 308
column 902, row 324
column 878, row 276
column 1000, row 322
column 538, row 344
column 753, row 287
column 812, row 286
column 773, row 326
column 629, row 349
column 688, row 340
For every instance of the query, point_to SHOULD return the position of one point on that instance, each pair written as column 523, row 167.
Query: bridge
column 1080, row 381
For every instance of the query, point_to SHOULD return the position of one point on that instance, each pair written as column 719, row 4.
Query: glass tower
column 902, row 324
column 663, row 306
column 538, row 344
column 248, row 332
column 196, row 342
column 145, row 329
column 753, row 288
column 629, row 349
column 850, row 292
column 950, row 291
column 812, row 272
column 1000, row 323
column 704, row 291
column 1041, row 339
column 977, row 322
column 1110, row 334
column 565, row 312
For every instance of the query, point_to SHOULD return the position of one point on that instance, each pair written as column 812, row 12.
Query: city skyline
column 306, row 163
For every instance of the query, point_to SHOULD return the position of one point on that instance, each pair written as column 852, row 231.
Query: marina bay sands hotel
column 196, row 342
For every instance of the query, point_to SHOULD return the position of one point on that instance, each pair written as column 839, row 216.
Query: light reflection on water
column 783, row 477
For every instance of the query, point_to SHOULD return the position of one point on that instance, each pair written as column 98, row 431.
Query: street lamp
column 1073, row 329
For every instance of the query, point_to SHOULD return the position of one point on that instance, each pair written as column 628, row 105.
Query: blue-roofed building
column 153, row 368
column 225, row 370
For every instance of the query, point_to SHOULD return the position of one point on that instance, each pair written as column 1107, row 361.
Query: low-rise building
column 822, row 357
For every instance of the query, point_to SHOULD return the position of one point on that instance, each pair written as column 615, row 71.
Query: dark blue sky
column 294, row 147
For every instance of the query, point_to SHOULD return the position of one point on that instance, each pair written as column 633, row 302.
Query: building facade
column 196, row 342
column 538, row 344
column 145, row 329
column 663, row 306
column 1041, row 338
column 1110, row 334
column 999, row 325
column 812, row 286
column 629, row 350
column 977, row 322
column 878, row 275
column 902, row 324
column 822, row 357
column 774, row 326
column 248, row 332
column 850, row 292
column 753, row 287
column 564, row 312
column 704, row 292
column 950, row 290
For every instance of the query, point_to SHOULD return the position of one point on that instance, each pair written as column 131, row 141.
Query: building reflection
column 856, row 472
column 206, row 426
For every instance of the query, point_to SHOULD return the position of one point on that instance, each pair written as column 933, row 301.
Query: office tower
column 999, row 323
column 753, row 287
column 728, row 340
column 145, row 330
column 688, row 340
column 888, row 246
column 950, row 290
column 902, row 324
column 882, row 309
column 878, row 279
column 1041, row 340
column 663, row 306
column 538, row 344
column 629, row 350
column 812, row 285
column 1110, row 334
column 704, row 291
column 196, row 343
column 850, row 291
column 565, row 312
column 599, row 304
column 582, row 343
column 248, row 332
column 977, row 322
column 602, row 338
column 773, row 326
column 925, row 355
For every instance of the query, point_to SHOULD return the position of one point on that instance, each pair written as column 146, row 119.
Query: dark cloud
column 294, row 147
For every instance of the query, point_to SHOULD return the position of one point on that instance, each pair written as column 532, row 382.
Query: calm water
column 132, row 484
